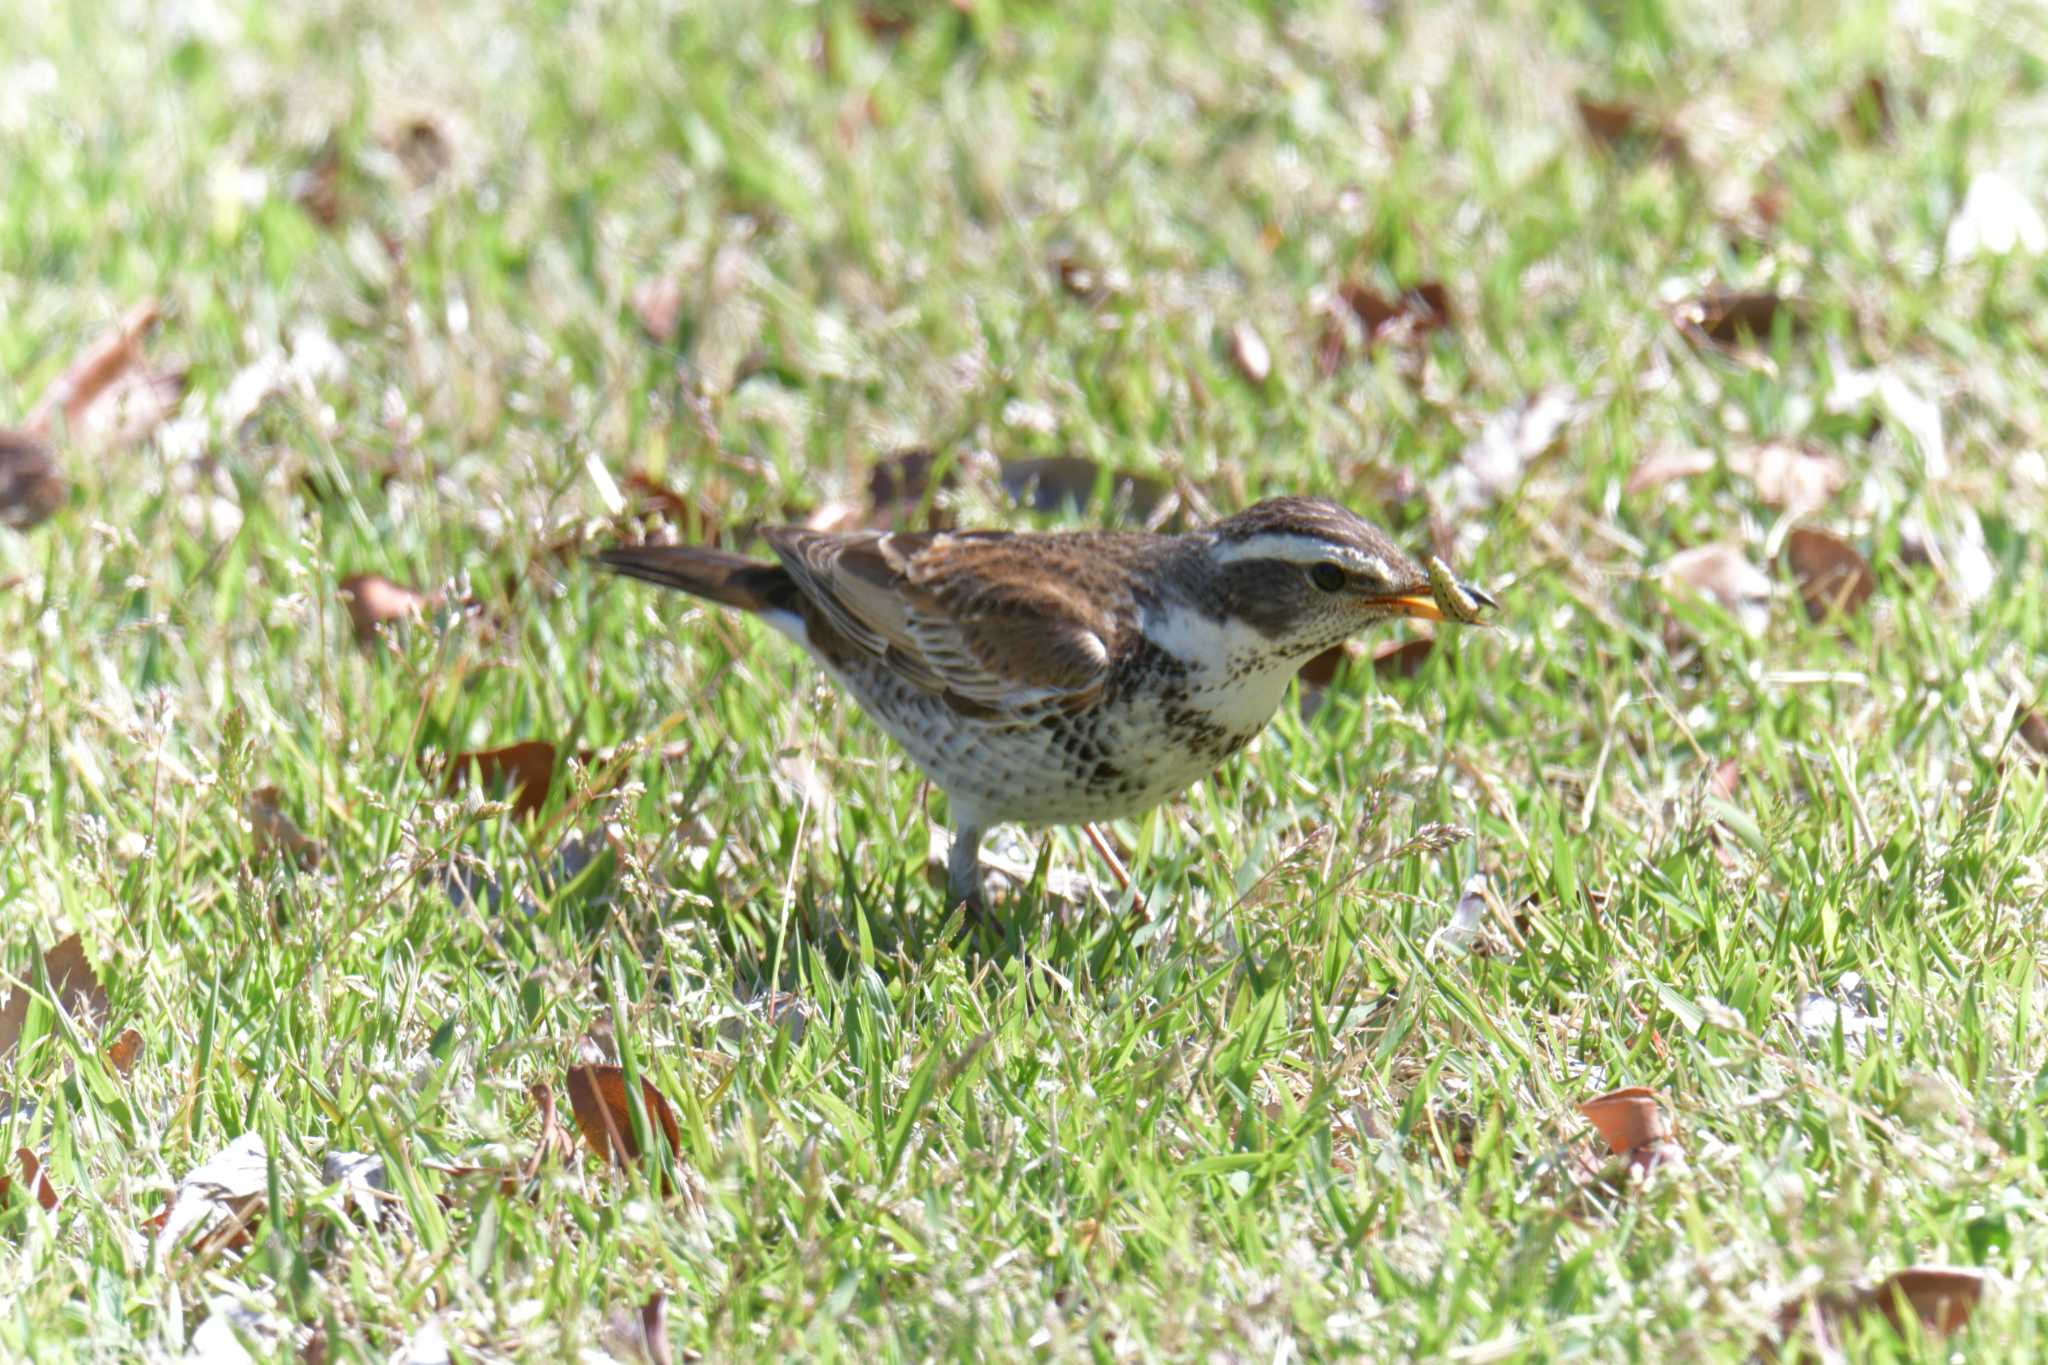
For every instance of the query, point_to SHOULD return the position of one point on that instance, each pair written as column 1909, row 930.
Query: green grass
column 1274, row 1113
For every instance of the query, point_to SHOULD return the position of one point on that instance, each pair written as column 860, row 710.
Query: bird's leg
column 963, row 877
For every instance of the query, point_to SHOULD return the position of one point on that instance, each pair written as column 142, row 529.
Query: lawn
column 1709, row 338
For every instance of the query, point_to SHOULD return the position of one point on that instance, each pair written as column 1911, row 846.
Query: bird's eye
column 1326, row 576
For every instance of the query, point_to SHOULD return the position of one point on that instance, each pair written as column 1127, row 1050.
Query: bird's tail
column 718, row 575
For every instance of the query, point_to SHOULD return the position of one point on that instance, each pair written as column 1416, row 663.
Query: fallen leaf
column 1321, row 671
column 1996, row 219
column 1402, row 658
column 525, row 771
column 657, row 303
column 1249, row 352
column 422, row 148
column 73, row 983
column 32, row 1177
column 1618, row 125
column 1941, row 1298
column 1067, row 483
column 374, row 600
column 1831, row 575
column 317, row 188
column 1724, row 574
column 1492, row 463
column 1789, row 477
column 272, row 831
column 1413, row 313
column 1633, row 1124
column 122, row 1052
column 654, row 1330
column 603, row 1114
column 1669, row 465
column 217, row 1200
column 1085, row 280
column 1734, row 318
column 2033, row 729
column 112, row 354
column 30, row 486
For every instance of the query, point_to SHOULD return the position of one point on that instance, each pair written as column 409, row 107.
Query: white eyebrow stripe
column 1303, row 550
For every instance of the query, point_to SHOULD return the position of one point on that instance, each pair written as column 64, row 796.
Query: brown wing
column 966, row 616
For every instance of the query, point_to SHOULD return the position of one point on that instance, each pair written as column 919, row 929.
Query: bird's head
column 1307, row 574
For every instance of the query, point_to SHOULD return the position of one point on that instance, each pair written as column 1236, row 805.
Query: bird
column 1068, row 677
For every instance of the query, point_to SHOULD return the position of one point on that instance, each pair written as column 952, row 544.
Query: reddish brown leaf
column 1735, row 318
column 1321, row 671
column 1942, row 1297
column 111, row 355
column 272, row 831
column 1402, row 658
column 598, row 1101
column 123, row 1051
column 30, row 486
column 72, row 980
column 658, row 305
column 524, row 771
column 1787, row 476
column 33, row 1177
column 422, row 148
column 1249, row 352
column 374, row 600
column 317, row 188
column 1414, row 312
column 1634, row 1125
column 1669, row 466
column 1831, row 575
column 654, row 1330
column 1617, row 125
column 2034, row 733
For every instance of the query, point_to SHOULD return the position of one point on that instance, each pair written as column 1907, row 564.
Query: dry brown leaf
column 1789, row 477
column 1067, row 483
column 658, row 305
column 1493, row 462
column 77, row 989
column 1669, row 466
column 1413, row 313
column 2033, row 729
column 654, row 1330
column 122, row 1052
column 1738, row 318
column 1618, row 125
column 374, row 600
column 217, row 1200
column 1402, row 658
column 1942, row 1299
column 1249, row 352
column 1831, row 575
column 422, row 148
column 30, row 486
column 1635, row 1127
column 111, row 355
column 272, row 831
column 317, row 188
column 33, row 1177
column 523, row 771
column 1723, row 573
column 603, row 1113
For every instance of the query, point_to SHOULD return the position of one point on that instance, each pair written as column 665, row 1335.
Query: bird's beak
column 1425, row 606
